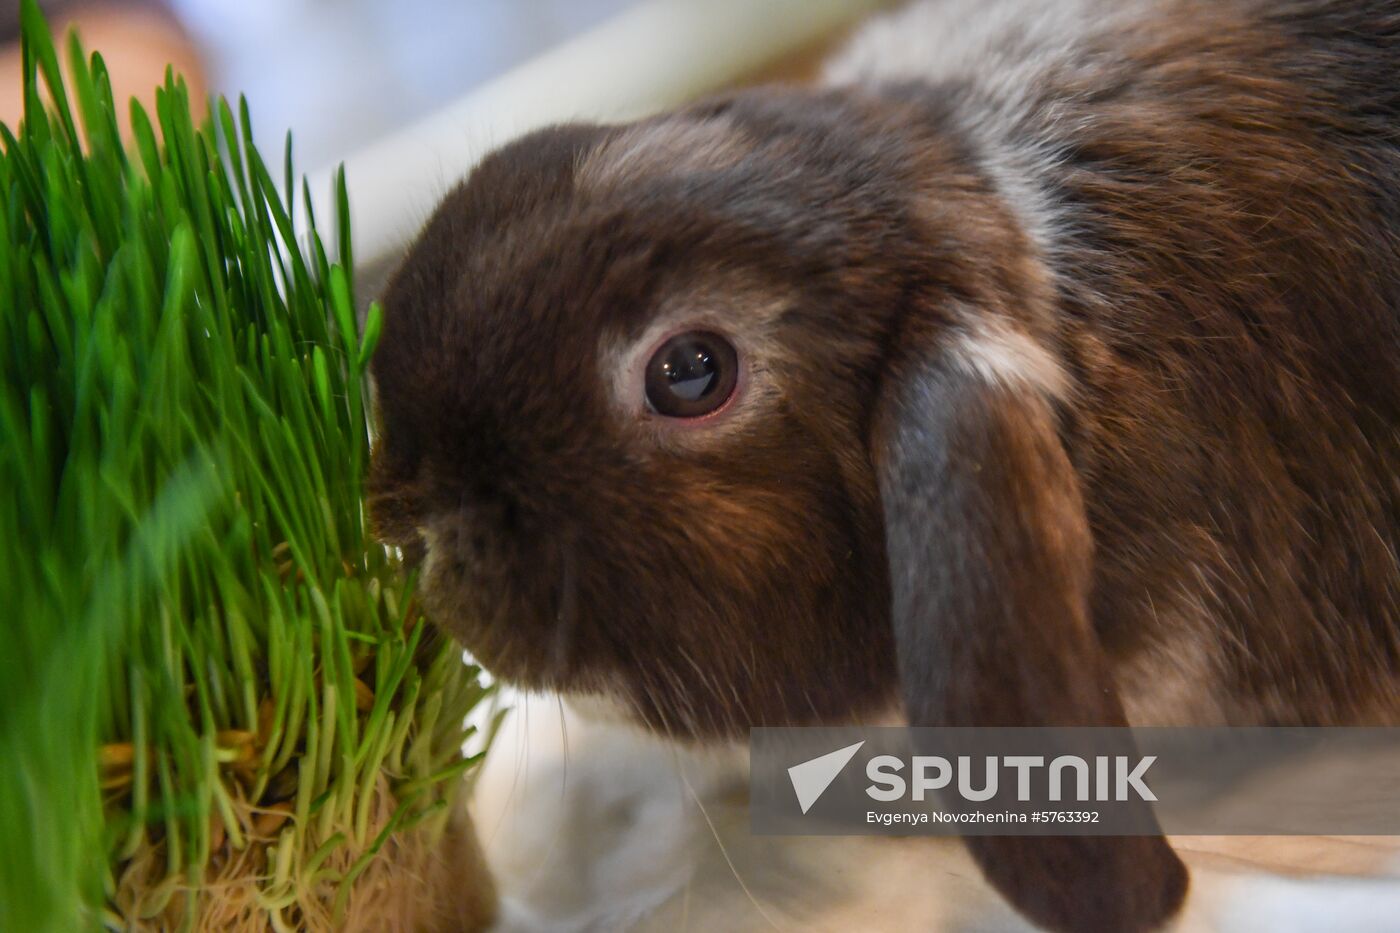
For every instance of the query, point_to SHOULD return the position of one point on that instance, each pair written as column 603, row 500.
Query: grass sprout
column 219, row 704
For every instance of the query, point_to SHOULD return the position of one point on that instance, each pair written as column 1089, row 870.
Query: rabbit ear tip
column 1125, row 883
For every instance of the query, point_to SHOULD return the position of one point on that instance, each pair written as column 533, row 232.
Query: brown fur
column 1175, row 492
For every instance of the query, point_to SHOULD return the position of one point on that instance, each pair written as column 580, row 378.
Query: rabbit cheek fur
column 1070, row 393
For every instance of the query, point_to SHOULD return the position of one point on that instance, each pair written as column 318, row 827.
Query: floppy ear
column 990, row 559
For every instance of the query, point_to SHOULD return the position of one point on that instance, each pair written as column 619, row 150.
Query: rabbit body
column 1063, row 388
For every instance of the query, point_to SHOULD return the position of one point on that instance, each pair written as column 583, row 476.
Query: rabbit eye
column 691, row 375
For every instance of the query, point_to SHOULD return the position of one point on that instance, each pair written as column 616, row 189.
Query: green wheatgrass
column 204, row 651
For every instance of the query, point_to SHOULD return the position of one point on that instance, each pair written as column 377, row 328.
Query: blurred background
column 342, row 72
column 347, row 72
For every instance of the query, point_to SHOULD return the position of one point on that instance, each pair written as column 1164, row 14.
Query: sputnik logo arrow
column 811, row 778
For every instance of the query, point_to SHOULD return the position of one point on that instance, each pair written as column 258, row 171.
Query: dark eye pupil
column 691, row 375
column 691, row 372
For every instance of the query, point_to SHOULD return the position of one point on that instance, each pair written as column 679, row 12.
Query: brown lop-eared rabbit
column 1040, row 367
